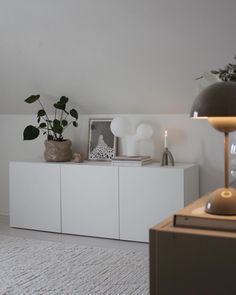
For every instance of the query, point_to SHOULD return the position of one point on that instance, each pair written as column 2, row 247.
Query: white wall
column 189, row 141
column 112, row 56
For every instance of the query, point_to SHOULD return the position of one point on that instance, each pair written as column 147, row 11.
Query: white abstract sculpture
column 144, row 131
column 121, row 127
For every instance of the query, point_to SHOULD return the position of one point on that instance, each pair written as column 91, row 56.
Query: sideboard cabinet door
column 35, row 196
column 150, row 194
column 90, row 200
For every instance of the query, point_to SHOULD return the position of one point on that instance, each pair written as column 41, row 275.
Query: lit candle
column 165, row 145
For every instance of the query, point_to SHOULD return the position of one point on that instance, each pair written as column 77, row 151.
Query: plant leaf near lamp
column 228, row 73
column 53, row 128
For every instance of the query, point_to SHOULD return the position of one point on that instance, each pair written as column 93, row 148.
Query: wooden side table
column 191, row 261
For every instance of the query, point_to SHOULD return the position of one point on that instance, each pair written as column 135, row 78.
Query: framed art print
column 102, row 142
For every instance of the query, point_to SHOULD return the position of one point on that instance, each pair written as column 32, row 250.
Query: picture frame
column 102, row 145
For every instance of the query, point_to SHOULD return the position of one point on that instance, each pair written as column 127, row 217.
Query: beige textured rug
column 41, row 267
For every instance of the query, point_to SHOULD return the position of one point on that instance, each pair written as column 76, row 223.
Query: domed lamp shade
column 217, row 103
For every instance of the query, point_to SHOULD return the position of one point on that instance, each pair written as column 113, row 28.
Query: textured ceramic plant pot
column 57, row 151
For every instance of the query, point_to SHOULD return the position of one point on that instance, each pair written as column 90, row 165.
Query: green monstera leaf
column 53, row 128
column 60, row 105
column 64, row 123
column 30, row 132
column 32, row 98
column 42, row 125
column 57, row 129
column 74, row 114
column 41, row 113
column 64, row 99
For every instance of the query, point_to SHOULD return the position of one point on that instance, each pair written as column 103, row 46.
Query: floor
column 5, row 229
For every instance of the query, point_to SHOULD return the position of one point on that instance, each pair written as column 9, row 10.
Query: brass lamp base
column 222, row 202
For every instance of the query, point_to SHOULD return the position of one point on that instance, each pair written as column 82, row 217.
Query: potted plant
column 57, row 149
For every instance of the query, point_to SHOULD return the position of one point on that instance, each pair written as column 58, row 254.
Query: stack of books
column 131, row 160
column 194, row 216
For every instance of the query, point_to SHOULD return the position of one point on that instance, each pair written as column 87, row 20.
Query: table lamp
column 217, row 103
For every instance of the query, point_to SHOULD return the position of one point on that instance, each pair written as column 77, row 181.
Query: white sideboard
column 98, row 199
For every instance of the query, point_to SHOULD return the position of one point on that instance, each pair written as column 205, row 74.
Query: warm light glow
column 224, row 124
column 226, row 194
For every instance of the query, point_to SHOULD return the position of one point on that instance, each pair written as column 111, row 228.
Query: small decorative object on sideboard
column 132, row 160
column 121, row 127
column 57, row 149
column 78, row 157
column 167, row 156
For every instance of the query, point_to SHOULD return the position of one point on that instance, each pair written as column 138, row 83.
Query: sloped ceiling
column 112, row 56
